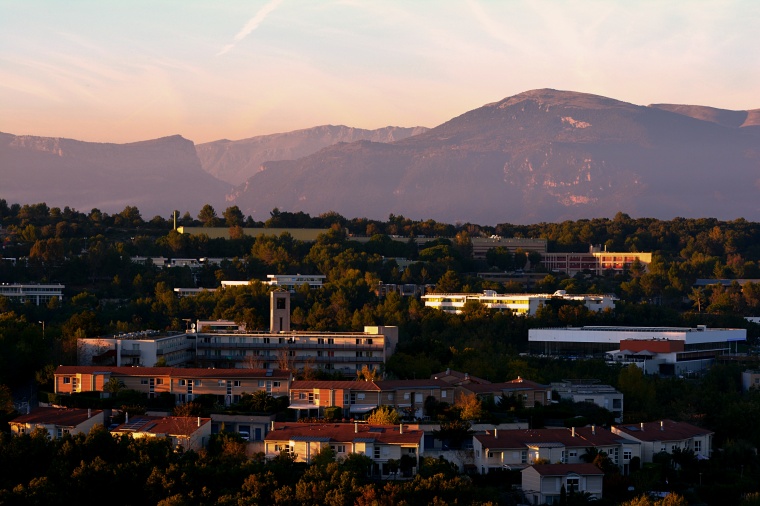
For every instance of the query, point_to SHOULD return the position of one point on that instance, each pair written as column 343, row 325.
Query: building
column 188, row 433
column 481, row 245
column 518, row 449
column 595, row 261
column 381, row 443
column 281, row 348
column 145, row 349
column 285, row 281
column 591, row 391
column 457, row 378
column 251, row 428
column 36, row 294
column 529, row 393
column 701, row 345
column 543, row 484
column 518, row 303
column 227, row 385
column 667, row 436
column 57, row 421
column 750, row 379
column 356, row 398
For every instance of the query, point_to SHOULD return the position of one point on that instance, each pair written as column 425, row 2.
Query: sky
column 131, row 70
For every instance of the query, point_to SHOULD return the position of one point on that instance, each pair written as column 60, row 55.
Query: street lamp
column 43, row 329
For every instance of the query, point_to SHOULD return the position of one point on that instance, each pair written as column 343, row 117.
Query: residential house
column 517, row 449
column 457, row 378
column 667, row 436
column 188, row 433
column 381, row 443
column 57, row 421
column 543, row 483
column 529, row 393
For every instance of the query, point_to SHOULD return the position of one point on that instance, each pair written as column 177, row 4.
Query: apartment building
column 381, row 443
column 144, row 349
column 596, row 261
column 517, row 303
column 227, row 385
column 590, row 390
column 34, row 293
column 543, row 483
column 529, row 393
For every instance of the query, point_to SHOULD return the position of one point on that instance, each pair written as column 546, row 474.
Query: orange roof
column 584, row 437
column 166, row 425
column 334, row 385
column 175, row 372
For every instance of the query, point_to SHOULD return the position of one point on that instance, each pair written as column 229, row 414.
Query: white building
column 285, row 281
column 518, row 303
column 692, row 348
column 35, row 293
column 667, row 436
column 591, row 391
column 136, row 349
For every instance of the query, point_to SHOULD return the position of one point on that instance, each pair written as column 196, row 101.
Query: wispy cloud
column 251, row 25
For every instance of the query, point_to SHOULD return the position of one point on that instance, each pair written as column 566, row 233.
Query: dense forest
column 107, row 292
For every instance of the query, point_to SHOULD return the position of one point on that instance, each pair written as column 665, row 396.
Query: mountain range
column 542, row 155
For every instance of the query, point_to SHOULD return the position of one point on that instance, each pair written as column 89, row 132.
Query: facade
column 700, row 345
column 518, row 449
column 36, row 294
column 750, row 379
column 188, row 433
column 57, row 421
column 381, row 443
column 518, row 303
column 591, row 391
column 252, row 428
column 481, row 245
column 360, row 397
column 529, row 393
column 595, row 261
column 227, row 385
column 543, row 484
column 667, row 436
column 143, row 349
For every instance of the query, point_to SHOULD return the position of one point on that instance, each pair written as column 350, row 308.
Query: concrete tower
column 279, row 311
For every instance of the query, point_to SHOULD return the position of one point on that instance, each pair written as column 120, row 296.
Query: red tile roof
column 344, row 433
column 160, row 425
column 454, row 377
column 55, row 416
column 666, row 430
column 584, row 437
column 334, row 385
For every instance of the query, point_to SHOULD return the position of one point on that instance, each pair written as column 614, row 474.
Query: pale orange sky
column 130, row 71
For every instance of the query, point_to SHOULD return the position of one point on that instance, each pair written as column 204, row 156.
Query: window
column 359, row 354
column 311, row 398
column 266, row 340
column 320, row 340
column 276, row 384
column 443, row 394
column 369, row 341
column 301, row 396
column 261, row 383
column 573, row 484
column 181, row 382
column 159, row 381
column 360, row 397
column 143, row 381
column 330, row 353
column 338, row 448
column 319, row 353
column 390, row 397
column 524, row 457
column 572, row 453
column 281, row 303
column 377, row 452
column 358, row 341
column 406, row 396
column 563, row 457
column 627, row 455
column 66, row 380
column 292, row 353
column 236, row 383
column 281, row 340
column 330, row 340
column 198, row 383
column 697, row 446
column 220, row 383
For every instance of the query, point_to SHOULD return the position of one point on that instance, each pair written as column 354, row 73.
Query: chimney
column 199, row 421
column 401, row 428
column 593, row 430
column 467, row 376
column 572, row 434
column 642, row 425
column 356, row 427
column 662, row 425
column 272, row 425
column 495, row 433
column 89, row 412
column 126, row 417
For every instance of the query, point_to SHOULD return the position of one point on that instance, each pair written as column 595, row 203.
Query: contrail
column 252, row 24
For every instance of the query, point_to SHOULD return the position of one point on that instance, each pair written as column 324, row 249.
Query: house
column 227, row 385
column 58, row 421
column 543, row 483
column 529, row 393
column 252, row 428
column 359, row 397
column 381, row 443
column 667, row 436
column 457, row 378
column 517, row 449
column 188, row 433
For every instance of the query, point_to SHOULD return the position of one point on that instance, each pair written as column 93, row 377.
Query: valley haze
column 539, row 156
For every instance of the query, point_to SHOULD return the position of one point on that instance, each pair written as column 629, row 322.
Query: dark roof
column 334, row 385
column 584, row 437
column 171, row 425
column 455, row 377
column 666, row 430
column 565, row 469
column 70, row 417
column 344, row 433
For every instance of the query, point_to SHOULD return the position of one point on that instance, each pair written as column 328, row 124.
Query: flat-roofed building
column 34, row 293
column 701, row 345
column 481, row 245
column 517, row 303
column 145, row 348
column 592, row 391
column 595, row 261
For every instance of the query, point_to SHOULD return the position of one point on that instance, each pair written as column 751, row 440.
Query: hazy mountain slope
column 236, row 161
column 157, row 176
column 543, row 155
column 725, row 117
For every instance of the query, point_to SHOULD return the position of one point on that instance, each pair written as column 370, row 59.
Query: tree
column 384, row 415
column 233, row 217
column 207, row 215
column 470, row 407
column 367, row 374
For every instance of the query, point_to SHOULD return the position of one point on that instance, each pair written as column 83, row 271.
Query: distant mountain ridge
column 236, row 161
column 543, row 155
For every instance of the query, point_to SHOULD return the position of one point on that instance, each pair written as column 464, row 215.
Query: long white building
column 34, row 293
column 518, row 303
column 666, row 350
